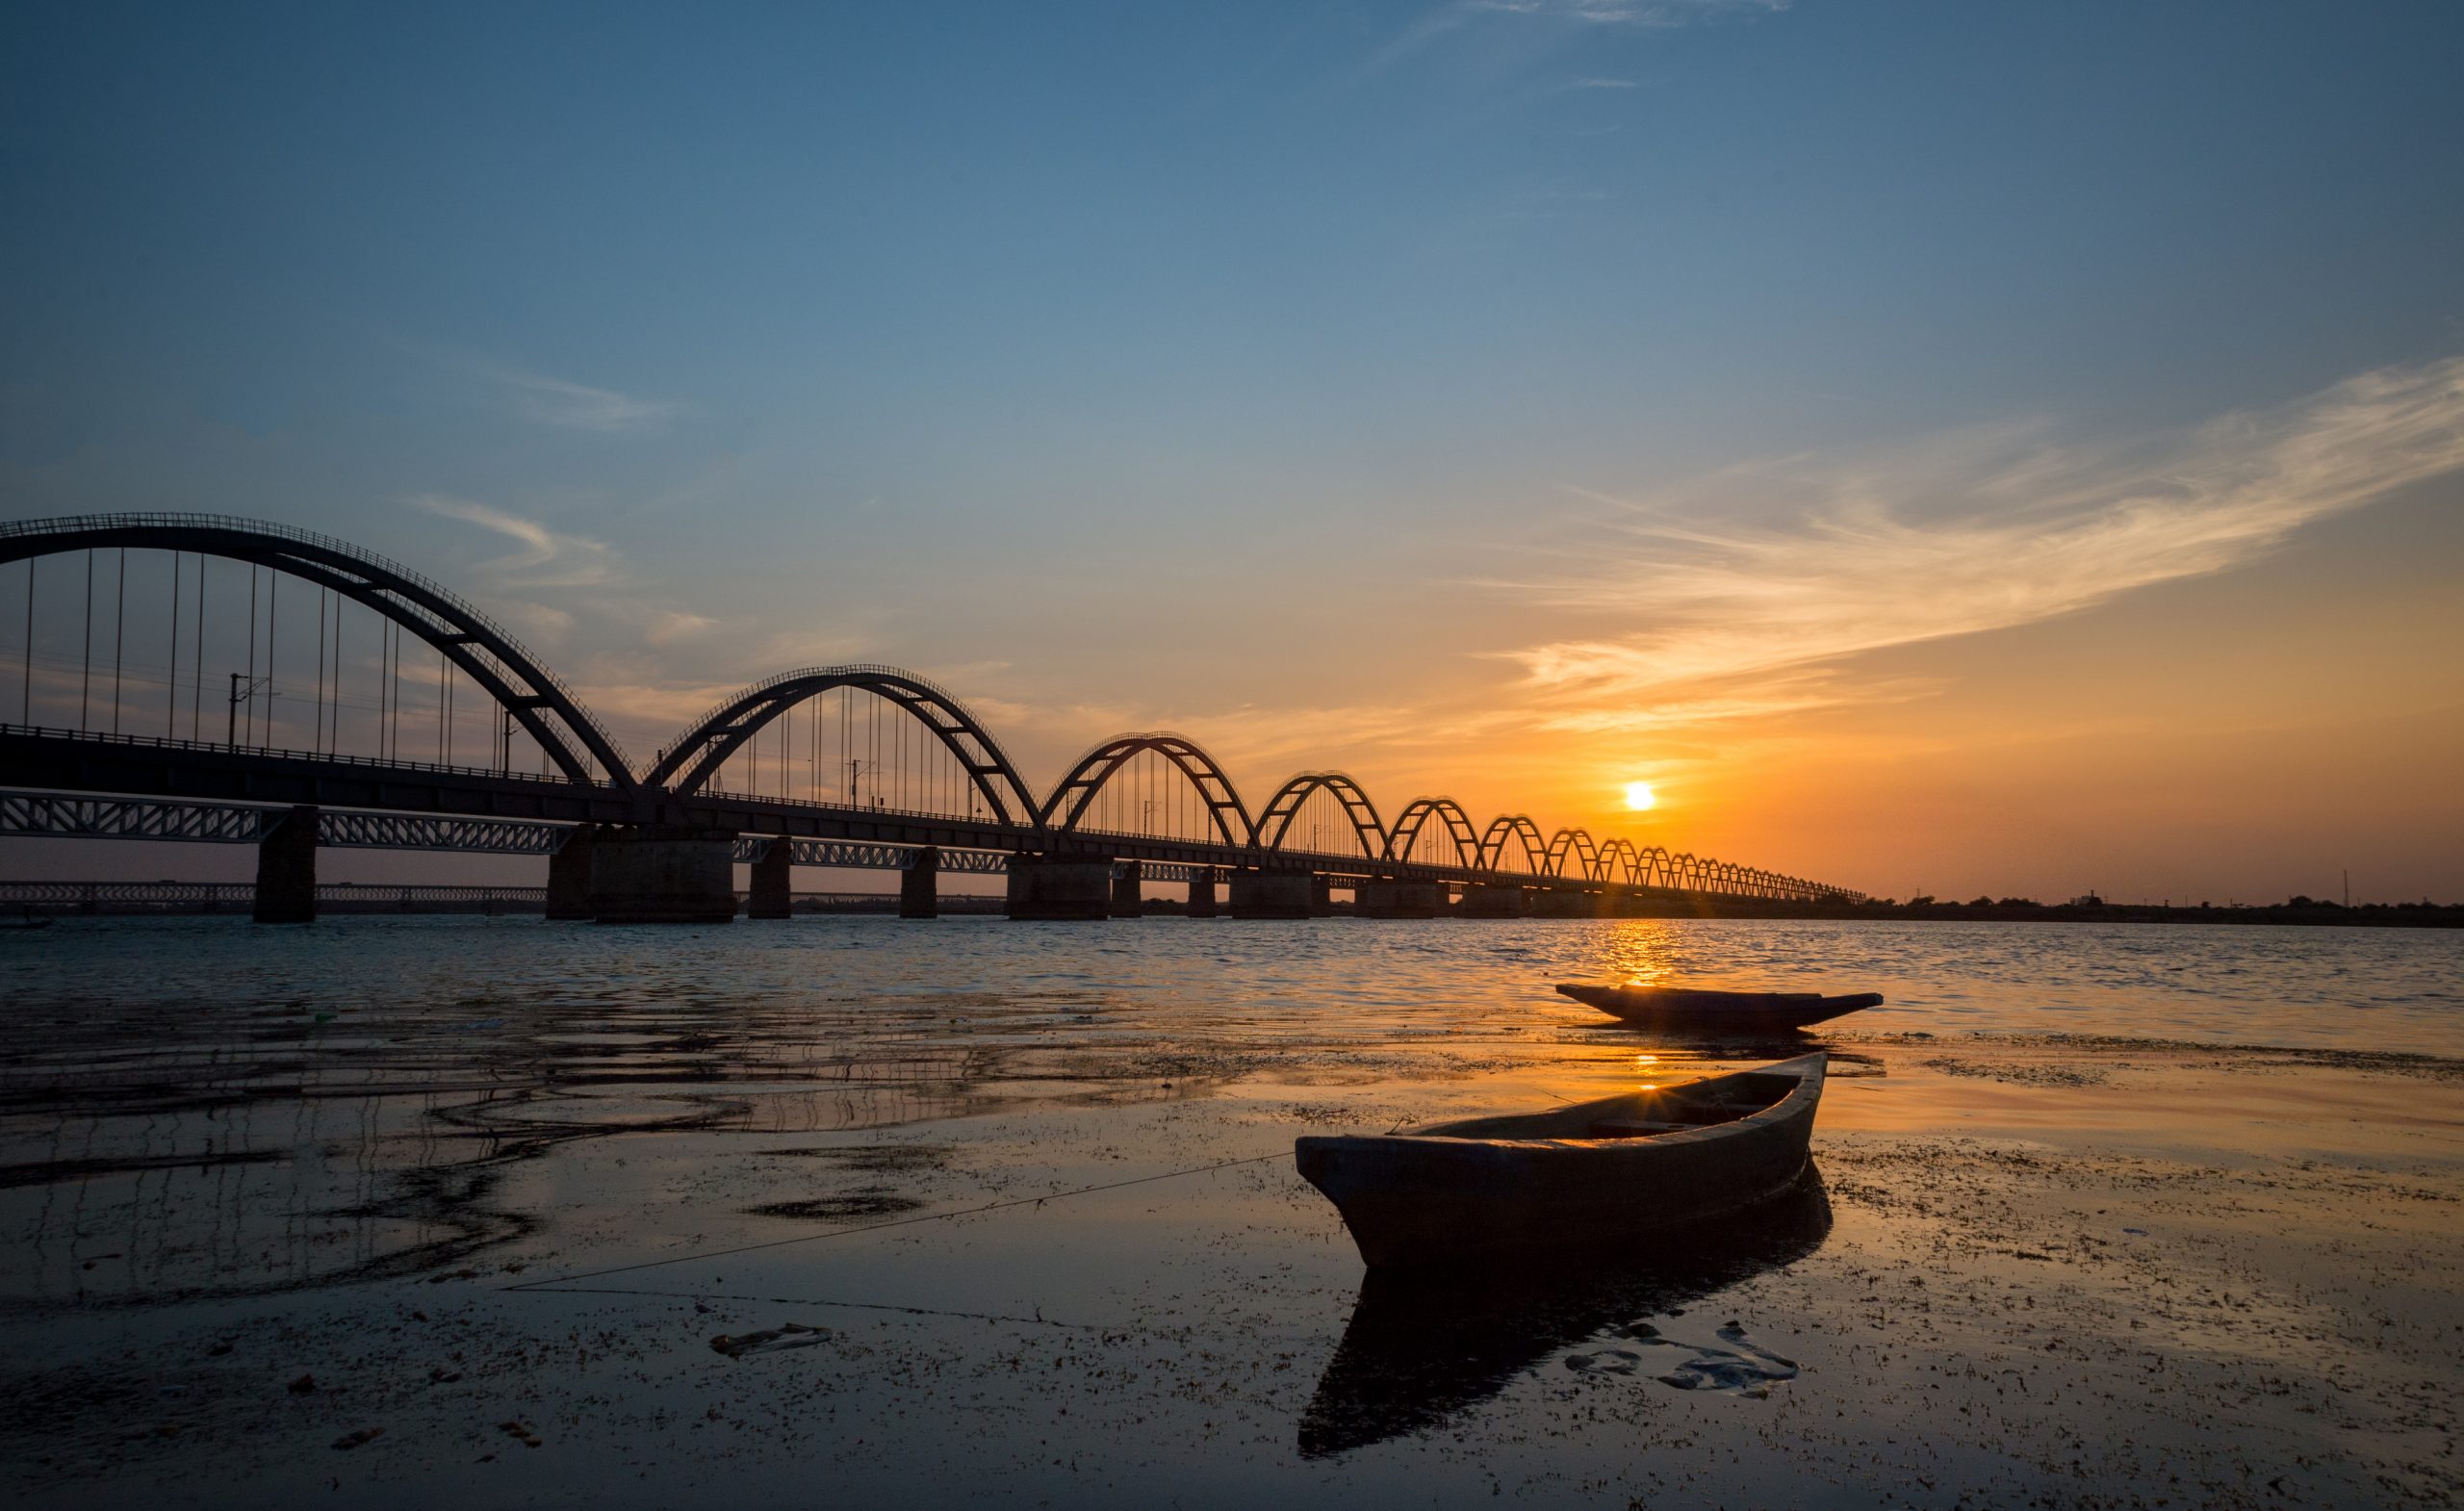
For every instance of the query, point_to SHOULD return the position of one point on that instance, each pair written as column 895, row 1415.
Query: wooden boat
column 1717, row 1011
column 1596, row 1174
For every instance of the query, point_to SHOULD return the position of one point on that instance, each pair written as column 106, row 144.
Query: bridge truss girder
column 854, row 856
column 67, row 816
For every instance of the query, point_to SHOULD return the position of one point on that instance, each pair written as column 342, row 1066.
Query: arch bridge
column 223, row 679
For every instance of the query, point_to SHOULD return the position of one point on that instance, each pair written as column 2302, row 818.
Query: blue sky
column 1118, row 361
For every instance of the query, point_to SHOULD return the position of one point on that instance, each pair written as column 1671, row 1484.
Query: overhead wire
column 120, row 634
column 171, row 686
column 85, row 688
column 26, row 684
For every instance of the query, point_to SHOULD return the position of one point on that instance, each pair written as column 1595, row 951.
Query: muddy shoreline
column 1045, row 1244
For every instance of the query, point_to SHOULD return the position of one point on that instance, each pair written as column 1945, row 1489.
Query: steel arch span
column 586, row 776
column 1449, row 813
column 1068, row 803
column 546, row 708
column 1578, row 845
column 689, row 762
column 1512, row 826
column 1274, row 821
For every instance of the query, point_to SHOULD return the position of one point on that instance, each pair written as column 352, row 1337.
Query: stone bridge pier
column 772, row 891
column 569, row 875
column 1273, row 894
column 665, row 873
column 1488, row 901
column 1058, row 887
column 919, row 886
column 286, row 869
column 1391, row 899
column 1556, row 902
column 1129, row 880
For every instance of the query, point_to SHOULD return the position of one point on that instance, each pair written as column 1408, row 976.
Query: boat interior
column 1639, row 1115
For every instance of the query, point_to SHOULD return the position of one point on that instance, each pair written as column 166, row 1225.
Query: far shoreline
column 370, row 899
column 2300, row 912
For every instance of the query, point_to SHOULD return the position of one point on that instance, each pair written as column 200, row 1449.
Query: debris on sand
column 1740, row 1368
column 769, row 1339
column 520, row 1430
column 872, row 1202
column 351, row 1440
column 305, row 1385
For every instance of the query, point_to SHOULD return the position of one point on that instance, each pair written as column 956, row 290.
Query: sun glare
column 1638, row 796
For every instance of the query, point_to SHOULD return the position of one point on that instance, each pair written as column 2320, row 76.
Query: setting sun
column 1638, row 796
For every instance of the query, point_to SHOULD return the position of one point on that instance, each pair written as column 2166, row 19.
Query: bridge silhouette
column 858, row 766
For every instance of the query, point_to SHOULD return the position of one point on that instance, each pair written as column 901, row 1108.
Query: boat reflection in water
column 1424, row 1345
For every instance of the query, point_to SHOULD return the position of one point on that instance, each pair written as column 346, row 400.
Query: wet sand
column 1046, row 1245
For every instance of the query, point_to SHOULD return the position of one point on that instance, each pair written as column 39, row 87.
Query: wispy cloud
column 1621, row 13
column 670, row 626
column 1975, row 532
column 541, row 398
column 1603, row 84
column 539, row 624
column 546, row 558
column 1457, row 15
column 577, row 406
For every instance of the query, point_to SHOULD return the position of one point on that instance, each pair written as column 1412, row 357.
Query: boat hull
column 1436, row 1198
column 1718, row 1012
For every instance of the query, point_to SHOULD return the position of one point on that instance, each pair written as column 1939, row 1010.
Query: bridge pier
column 1487, row 900
column 1128, row 878
column 1202, row 893
column 659, row 874
column 772, row 881
column 1553, row 904
column 568, row 875
column 919, row 886
column 1389, row 899
column 1047, row 887
column 286, row 869
column 1272, row 894
column 1322, row 897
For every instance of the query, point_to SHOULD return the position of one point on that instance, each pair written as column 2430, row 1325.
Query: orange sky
column 2011, row 451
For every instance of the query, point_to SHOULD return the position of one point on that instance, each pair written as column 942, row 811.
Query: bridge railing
column 885, row 809
column 175, row 743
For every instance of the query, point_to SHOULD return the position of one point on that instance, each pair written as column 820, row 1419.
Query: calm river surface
column 483, row 1208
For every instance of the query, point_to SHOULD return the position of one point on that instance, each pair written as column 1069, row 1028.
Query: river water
column 495, row 1186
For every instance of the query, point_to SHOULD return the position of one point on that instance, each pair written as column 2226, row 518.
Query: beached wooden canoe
column 1588, row 1176
column 1680, row 1007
